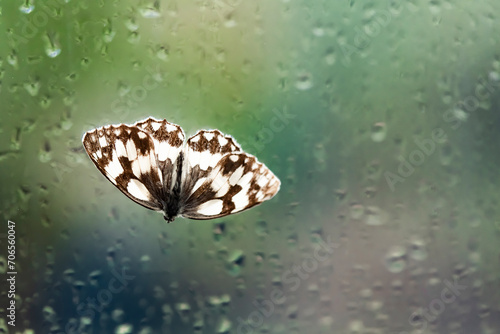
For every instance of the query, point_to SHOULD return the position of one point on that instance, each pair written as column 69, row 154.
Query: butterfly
column 207, row 177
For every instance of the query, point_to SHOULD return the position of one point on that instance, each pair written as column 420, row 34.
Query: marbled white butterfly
column 208, row 177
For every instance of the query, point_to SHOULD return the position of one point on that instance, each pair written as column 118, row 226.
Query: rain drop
column 45, row 154
column 418, row 250
column 124, row 329
column 134, row 37
column 12, row 59
column 27, row 7
column 108, row 33
column 379, row 132
column 375, row 216
column 162, row 53
column 183, row 309
column 356, row 210
column 131, row 24
column 330, row 57
column 52, row 46
column 32, row 86
column 150, row 10
column 395, row 259
column 304, row 81
column 224, row 326
column 235, row 262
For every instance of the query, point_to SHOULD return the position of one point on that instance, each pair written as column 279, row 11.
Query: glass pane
column 377, row 117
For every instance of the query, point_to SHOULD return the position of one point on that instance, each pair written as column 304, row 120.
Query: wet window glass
column 377, row 120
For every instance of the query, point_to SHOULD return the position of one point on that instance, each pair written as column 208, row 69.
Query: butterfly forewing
column 126, row 156
column 238, row 182
column 168, row 139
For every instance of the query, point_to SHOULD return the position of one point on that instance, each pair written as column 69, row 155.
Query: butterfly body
column 207, row 177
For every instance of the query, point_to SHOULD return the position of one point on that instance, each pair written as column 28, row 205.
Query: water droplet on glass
column 167, row 314
column 85, row 62
column 183, row 309
column 484, row 311
column 198, row 326
column 356, row 327
column 318, row 31
column 27, row 7
column 12, row 59
column 69, row 275
column 45, row 154
column 150, row 9
column 159, row 293
column 145, row 262
column 118, row 315
column 85, row 323
column 131, row 24
column 494, row 77
column 45, row 101
column 330, row 58
column 71, row 77
column 49, row 314
column 459, row 114
column 397, row 287
column 46, row 222
column 304, row 81
column 123, row 89
column 124, row 329
column 446, row 154
column 379, row 132
column 32, row 87
column 52, row 46
column 225, row 300
column 108, row 33
column 94, row 277
column 375, row 216
column 219, row 231
column 15, row 140
column 395, row 259
column 234, row 262
column 373, row 170
column 474, row 258
column 417, row 249
column 230, row 22
column 356, row 211
column 292, row 240
column 148, row 330
column 162, row 53
column 134, row 37
column 224, row 326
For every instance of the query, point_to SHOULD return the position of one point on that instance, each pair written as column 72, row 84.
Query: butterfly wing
column 220, row 179
column 202, row 153
column 137, row 158
column 168, row 139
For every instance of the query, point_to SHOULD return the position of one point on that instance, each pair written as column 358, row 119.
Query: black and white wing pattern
column 138, row 159
column 168, row 140
column 220, row 179
column 209, row 177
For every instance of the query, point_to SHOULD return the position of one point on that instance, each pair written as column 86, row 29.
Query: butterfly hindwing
column 202, row 153
column 126, row 156
column 236, row 183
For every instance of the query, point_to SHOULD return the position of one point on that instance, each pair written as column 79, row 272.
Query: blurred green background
column 380, row 118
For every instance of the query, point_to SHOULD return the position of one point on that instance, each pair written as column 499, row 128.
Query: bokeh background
column 380, row 118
